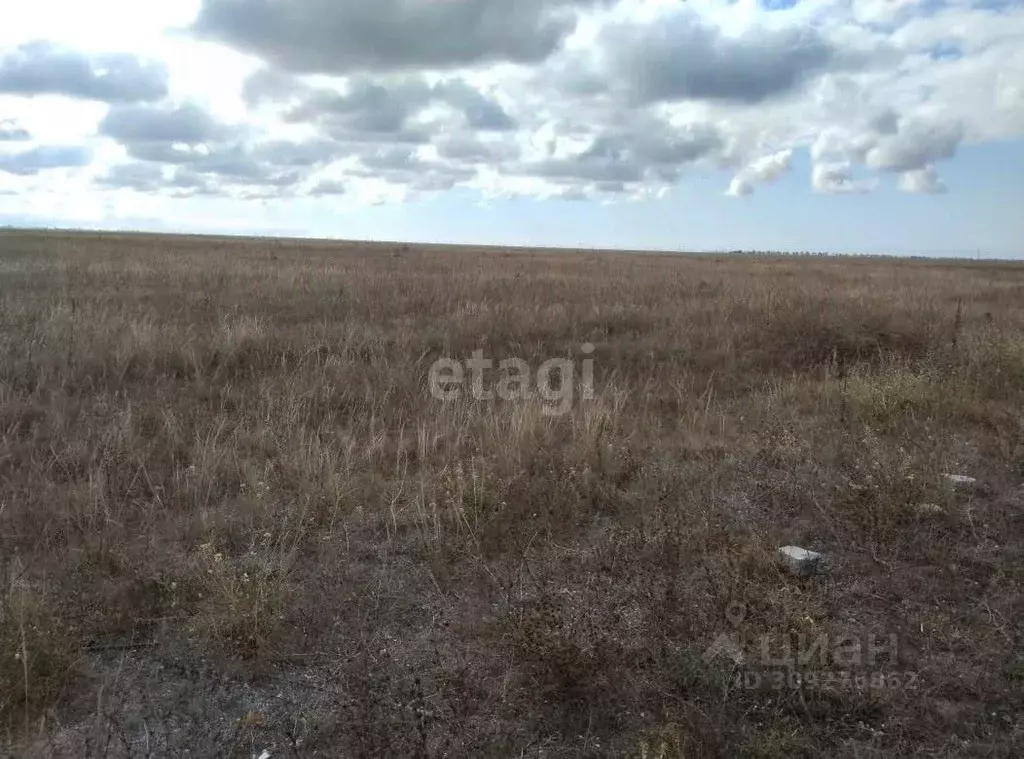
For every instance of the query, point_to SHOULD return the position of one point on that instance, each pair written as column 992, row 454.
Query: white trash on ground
column 961, row 481
column 800, row 561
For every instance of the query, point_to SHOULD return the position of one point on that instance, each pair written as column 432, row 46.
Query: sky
column 860, row 126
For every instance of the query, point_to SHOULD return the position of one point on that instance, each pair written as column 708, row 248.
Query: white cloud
column 12, row 131
column 548, row 98
column 837, row 178
column 923, row 180
column 765, row 169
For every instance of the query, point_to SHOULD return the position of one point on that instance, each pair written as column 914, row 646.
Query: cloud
column 346, row 36
column 915, row 145
column 765, row 169
column 151, row 178
column 646, row 150
column 481, row 113
column 187, row 124
column 596, row 164
column 924, row 180
column 626, row 106
column 42, row 68
column 659, row 143
column 404, row 165
column 142, row 177
column 416, row 95
column 392, row 157
column 43, row 158
column 210, row 156
column 376, row 108
column 289, row 153
column 328, row 187
column 681, row 58
column 277, row 165
column 837, row 178
column 269, row 86
column 367, row 109
column 467, row 148
column 10, row 131
column 740, row 187
column 184, row 134
column 888, row 143
column 188, row 182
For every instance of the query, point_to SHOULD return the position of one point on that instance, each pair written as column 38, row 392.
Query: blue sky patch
column 946, row 51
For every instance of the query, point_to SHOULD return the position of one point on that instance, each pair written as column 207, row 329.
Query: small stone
column 800, row 561
column 961, row 482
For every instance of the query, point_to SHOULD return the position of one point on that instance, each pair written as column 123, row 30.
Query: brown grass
column 233, row 518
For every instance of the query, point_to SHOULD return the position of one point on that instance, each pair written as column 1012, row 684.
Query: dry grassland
column 233, row 518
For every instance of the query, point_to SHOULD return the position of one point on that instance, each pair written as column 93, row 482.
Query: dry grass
column 233, row 518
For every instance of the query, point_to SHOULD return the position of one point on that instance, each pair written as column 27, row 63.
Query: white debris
column 929, row 509
column 800, row 561
column 961, row 481
column 265, row 754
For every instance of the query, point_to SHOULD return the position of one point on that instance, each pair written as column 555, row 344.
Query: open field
column 234, row 518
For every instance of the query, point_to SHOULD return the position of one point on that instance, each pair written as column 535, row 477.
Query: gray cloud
column 439, row 180
column 481, row 113
column 367, row 108
column 43, row 157
column 41, row 68
column 161, row 152
column 10, row 131
column 209, row 155
column 187, row 182
column 405, row 166
column 142, row 177
column 469, row 149
column 887, row 121
column 591, row 166
column 187, row 124
column 573, row 194
column 240, row 165
column 392, row 157
column 914, row 146
column 375, row 109
column 235, row 163
column 680, row 58
column 183, row 134
column 660, row 143
column 646, row 149
column 343, row 36
column 327, row 187
column 399, row 164
column 269, row 85
column 297, row 154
